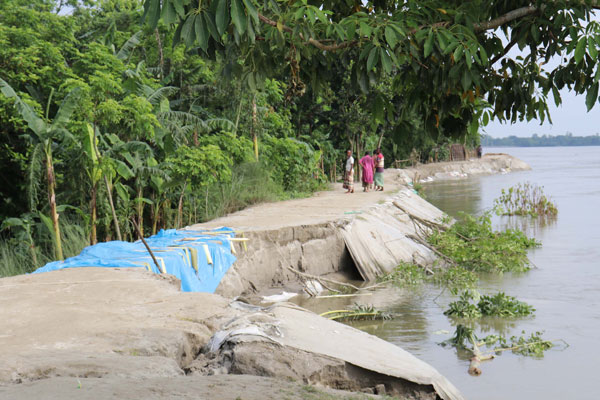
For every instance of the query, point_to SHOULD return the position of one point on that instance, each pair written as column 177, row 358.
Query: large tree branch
column 506, row 18
column 318, row 44
column 478, row 27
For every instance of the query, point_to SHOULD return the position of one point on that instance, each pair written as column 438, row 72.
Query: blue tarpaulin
column 199, row 259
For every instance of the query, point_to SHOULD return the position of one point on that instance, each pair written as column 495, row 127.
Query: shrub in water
column 525, row 199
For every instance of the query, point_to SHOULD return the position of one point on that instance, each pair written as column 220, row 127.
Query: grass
column 16, row 255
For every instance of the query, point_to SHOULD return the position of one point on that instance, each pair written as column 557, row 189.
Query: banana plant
column 139, row 163
column 94, row 172
column 45, row 135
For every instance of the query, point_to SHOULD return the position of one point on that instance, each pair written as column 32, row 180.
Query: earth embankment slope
column 107, row 326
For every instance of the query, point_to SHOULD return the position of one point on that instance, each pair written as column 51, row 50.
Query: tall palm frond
column 68, row 105
column 129, row 45
column 222, row 124
column 179, row 117
column 156, row 96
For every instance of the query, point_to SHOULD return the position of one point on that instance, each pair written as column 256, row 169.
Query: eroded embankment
column 115, row 325
column 364, row 234
column 128, row 324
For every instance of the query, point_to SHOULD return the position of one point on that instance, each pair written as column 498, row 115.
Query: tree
column 448, row 59
column 45, row 135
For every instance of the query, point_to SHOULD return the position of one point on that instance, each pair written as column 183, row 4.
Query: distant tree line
column 541, row 141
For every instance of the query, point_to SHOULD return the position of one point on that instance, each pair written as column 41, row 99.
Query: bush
column 294, row 165
column 472, row 244
column 525, row 199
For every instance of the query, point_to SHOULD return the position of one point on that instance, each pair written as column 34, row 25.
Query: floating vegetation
column 465, row 339
column 472, row 244
column 498, row 305
column 358, row 313
column 405, row 274
column 525, row 199
column 455, row 278
column 463, row 307
column 533, row 345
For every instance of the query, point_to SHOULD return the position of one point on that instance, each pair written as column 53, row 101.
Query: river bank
column 115, row 324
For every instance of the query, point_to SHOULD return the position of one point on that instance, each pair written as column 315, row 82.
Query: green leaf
column 123, row 170
column 187, row 32
column 365, row 30
column 486, row 118
column 556, row 94
column 591, row 96
column 66, row 109
column 580, row 50
column 457, row 53
column 386, row 61
column 441, row 40
column 428, row 47
column 10, row 222
column 379, row 110
column 468, row 58
column 201, row 32
column 390, row 37
column 168, row 13
column 209, row 23
column 373, row 58
column 252, row 12
column 238, row 16
column 466, row 80
column 484, row 56
column 222, row 16
column 152, row 12
column 592, row 49
column 179, row 8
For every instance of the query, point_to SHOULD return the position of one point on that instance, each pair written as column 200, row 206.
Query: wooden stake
column 137, row 229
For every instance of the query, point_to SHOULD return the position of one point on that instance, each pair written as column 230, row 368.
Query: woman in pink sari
column 367, row 173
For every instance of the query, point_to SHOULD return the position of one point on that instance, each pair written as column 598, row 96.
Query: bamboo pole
column 139, row 233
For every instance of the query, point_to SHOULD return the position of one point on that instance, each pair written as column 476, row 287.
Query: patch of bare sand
column 216, row 387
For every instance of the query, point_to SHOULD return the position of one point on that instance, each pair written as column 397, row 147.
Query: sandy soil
column 217, row 387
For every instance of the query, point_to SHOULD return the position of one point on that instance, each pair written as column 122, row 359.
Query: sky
column 570, row 116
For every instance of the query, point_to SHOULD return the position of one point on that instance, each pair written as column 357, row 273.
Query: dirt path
column 335, row 204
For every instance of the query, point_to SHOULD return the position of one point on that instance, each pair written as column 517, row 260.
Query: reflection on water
column 564, row 289
column 532, row 227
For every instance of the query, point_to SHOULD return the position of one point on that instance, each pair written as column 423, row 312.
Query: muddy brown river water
column 564, row 288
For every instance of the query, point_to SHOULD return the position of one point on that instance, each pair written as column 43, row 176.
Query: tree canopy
column 450, row 62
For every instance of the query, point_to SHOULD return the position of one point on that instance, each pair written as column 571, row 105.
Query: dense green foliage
column 472, row 244
column 525, row 199
column 541, row 141
column 104, row 120
column 498, row 305
column 449, row 62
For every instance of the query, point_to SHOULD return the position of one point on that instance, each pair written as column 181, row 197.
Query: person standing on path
column 349, row 172
column 367, row 174
column 378, row 161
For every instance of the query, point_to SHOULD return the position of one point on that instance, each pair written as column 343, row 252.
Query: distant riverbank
column 566, row 140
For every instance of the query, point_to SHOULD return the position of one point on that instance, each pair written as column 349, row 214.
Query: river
column 564, row 288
